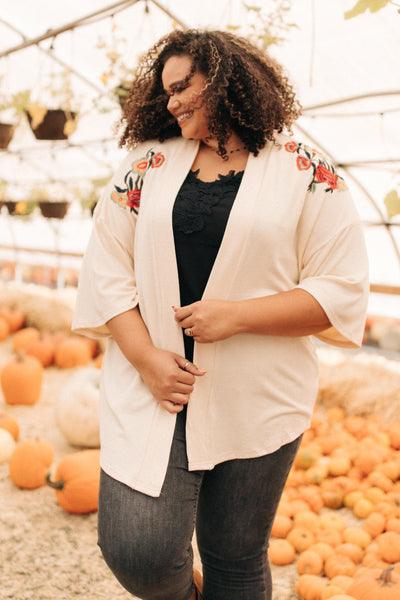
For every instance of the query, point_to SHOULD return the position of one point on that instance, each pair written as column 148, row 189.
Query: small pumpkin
column 374, row 524
column 309, row 562
column 301, row 538
column 30, row 462
column 14, row 317
column 281, row 552
column 373, row 584
column 4, row 329
column 281, row 526
column 23, row 337
column 357, row 535
column 10, row 424
column 310, row 587
column 76, row 481
column 74, row 351
column 21, row 380
column 389, row 546
column 43, row 349
column 338, row 564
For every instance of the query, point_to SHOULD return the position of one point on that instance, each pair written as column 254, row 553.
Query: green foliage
column 266, row 27
column 363, row 5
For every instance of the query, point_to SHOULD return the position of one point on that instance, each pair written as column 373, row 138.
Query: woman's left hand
column 207, row 320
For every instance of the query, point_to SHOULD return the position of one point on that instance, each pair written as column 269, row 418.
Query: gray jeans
column 147, row 542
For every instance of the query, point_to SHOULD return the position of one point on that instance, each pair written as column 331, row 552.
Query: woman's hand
column 208, row 320
column 170, row 378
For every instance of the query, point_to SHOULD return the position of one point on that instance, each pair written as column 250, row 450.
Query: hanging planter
column 6, row 134
column 57, row 124
column 20, row 208
column 54, row 210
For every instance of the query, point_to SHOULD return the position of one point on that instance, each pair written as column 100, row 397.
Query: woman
column 223, row 241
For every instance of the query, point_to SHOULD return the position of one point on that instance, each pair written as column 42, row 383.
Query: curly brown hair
column 246, row 91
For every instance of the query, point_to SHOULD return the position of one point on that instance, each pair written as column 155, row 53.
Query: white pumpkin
column 7, row 445
column 77, row 408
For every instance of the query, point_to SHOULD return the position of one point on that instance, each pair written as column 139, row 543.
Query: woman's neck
column 234, row 145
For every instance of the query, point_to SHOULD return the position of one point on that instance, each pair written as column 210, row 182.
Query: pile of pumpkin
column 76, row 478
column 338, row 519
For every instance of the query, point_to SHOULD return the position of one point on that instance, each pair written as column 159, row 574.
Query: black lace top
column 199, row 219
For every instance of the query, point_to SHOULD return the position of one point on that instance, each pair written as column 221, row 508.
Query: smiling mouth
column 182, row 118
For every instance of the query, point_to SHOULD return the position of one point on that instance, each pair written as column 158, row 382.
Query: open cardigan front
column 292, row 224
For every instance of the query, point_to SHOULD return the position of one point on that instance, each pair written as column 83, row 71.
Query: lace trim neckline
column 231, row 175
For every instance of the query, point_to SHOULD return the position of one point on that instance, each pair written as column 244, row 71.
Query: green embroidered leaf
column 364, row 5
column 392, row 202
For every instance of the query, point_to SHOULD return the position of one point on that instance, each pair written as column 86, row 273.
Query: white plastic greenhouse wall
column 346, row 73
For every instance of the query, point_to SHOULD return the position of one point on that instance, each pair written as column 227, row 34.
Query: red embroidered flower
column 140, row 166
column 322, row 174
column 303, row 163
column 157, row 160
column 133, row 198
column 291, row 146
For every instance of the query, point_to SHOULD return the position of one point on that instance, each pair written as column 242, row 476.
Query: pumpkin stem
column 57, row 485
column 385, row 578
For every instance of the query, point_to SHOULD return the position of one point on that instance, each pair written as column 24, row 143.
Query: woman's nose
column 173, row 103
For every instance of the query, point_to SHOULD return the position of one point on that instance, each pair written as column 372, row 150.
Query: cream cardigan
column 293, row 224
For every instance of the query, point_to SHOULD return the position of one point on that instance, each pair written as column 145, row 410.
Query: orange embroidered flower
column 291, row 146
column 140, row 166
column 157, row 160
column 303, row 163
column 324, row 175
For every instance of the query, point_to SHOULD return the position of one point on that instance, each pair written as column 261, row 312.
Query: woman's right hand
column 169, row 377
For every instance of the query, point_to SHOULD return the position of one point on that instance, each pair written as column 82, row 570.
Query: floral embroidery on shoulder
column 129, row 196
column 323, row 171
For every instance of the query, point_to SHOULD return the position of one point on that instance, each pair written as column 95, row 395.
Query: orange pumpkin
column 357, row 535
column 338, row 564
column 309, row 562
column 43, row 349
column 4, row 329
column 281, row 526
column 23, row 337
column 30, row 462
column 301, row 538
column 8, row 423
column 373, row 584
column 394, row 435
column 374, row 524
column 281, row 552
column 72, row 352
column 77, row 480
column 310, row 587
column 389, row 546
column 14, row 317
column 21, row 380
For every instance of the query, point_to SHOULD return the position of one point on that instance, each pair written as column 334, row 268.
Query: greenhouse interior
column 74, row 61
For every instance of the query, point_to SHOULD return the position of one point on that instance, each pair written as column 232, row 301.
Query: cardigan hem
column 238, row 455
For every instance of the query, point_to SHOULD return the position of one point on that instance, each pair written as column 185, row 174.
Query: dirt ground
column 47, row 553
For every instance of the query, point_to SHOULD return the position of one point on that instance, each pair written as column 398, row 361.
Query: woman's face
column 186, row 99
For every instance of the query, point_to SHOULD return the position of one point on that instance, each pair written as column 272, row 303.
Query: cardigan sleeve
column 107, row 284
column 334, row 264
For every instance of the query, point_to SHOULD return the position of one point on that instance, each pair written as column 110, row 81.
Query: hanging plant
column 50, row 206
column 51, row 124
column 11, row 110
column 57, row 121
column 6, row 134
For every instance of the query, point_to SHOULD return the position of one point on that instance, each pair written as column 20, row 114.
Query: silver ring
column 186, row 364
column 189, row 331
